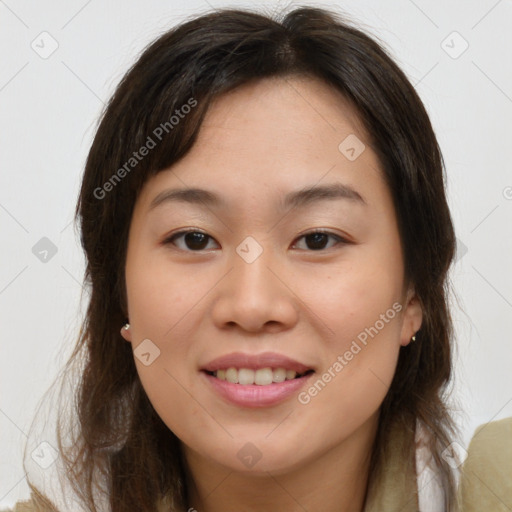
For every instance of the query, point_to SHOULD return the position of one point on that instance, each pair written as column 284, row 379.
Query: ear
column 412, row 317
column 126, row 334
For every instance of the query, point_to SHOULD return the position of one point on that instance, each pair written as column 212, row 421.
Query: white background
column 49, row 108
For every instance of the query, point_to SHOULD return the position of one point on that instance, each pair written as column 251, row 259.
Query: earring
column 413, row 338
column 126, row 327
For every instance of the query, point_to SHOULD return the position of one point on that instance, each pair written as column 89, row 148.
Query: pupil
column 317, row 239
column 195, row 240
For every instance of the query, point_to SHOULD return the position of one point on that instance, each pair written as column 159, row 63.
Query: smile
column 253, row 395
column 260, row 376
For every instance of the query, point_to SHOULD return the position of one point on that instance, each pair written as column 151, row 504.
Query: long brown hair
column 120, row 436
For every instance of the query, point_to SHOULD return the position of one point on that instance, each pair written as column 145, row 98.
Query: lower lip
column 254, row 395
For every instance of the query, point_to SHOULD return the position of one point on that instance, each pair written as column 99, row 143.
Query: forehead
column 298, row 106
column 302, row 87
column 274, row 135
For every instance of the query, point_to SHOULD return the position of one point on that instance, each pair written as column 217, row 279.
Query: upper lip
column 255, row 361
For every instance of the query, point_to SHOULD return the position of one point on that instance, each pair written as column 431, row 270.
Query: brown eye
column 318, row 240
column 194, row 240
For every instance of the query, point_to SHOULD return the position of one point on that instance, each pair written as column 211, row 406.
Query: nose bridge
column 252, row 295
column 251, row 260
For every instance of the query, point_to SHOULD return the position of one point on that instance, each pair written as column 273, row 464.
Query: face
column 277, row 277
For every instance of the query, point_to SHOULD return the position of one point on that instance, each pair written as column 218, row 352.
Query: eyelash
column 170, row 240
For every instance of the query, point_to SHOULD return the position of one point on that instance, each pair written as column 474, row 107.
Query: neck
column 335, row 481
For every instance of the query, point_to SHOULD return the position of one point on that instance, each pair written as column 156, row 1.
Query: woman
column 267, row 239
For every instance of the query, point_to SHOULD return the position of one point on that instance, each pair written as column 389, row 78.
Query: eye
column 317, row 240
column 194, row 240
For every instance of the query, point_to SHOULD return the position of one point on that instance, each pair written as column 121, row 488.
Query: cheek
column 162, row 308
column 352, row 395
column 161, row 295
column 360, row 314
column 169, row 391
column 351, row 298
column 360, row 357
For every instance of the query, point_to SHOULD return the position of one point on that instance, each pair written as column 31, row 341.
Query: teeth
column 232, row 375
column 279, row 375
column 261, row 377
column 245, row 376
column 290, row 374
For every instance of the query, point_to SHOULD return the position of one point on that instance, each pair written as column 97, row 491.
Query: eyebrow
column 295, row 199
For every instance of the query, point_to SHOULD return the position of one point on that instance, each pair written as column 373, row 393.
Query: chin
column 258, row 458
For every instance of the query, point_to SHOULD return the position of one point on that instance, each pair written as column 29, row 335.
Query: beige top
column 486, row 481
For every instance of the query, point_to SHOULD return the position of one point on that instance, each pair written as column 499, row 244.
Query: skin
column 256, row 144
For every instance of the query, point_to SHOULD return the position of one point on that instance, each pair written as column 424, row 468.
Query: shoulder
column 34, row 504
column 486, row 482
column 21, row 506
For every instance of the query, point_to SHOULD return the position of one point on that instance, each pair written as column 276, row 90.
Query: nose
column 256, row 296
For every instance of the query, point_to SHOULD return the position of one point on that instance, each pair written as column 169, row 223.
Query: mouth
column 260, row 376
column 247, row 380
column 253, row 388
